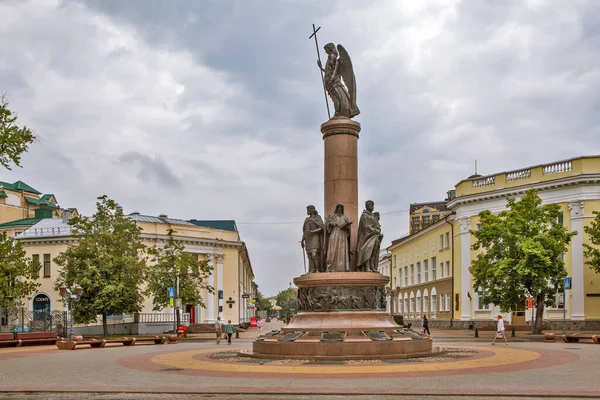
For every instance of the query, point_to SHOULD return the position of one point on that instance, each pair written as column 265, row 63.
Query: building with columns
column 573, row 184
column 218, row 242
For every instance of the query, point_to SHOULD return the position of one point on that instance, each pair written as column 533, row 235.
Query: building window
column 405, row 276
column 447, row 269
column 400, row 276
column 395, row 283
column 478, row 227
column 405, row 308
column 435, row 218
column 426, row 270
column 561, row 219
column 412, row 304
column 46, row 265
column 447, row 240
column 417, row 227
column 441, row 242
column 442, row 308
column 426, row 220
column 418, row 303
column 433, row 304
column 416, row 220
column 433, row 267
column 394, row 261
column 425, row 211
column 425, row 304
column 448, row 305
column 36, row 260
column 412, row 274
column 480, row 301
column 418, row 272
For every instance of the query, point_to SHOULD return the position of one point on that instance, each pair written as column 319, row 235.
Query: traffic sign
column 568, row 283
column 171, row 302
column 245, row 296
column 171, row 293
column 530, row 302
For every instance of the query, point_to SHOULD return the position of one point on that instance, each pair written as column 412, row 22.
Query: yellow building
column 421, row 266
column 22, row 206
column 573, row 184
column 422, row 215
column 216, row 241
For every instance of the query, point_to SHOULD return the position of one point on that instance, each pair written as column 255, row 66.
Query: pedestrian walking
column 500, row 331
column 229, row 331
column 259, row 325
column 425, row 326
column 218, row 329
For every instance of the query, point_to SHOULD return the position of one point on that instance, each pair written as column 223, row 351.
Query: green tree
column 262, row 303
column 170, row 262
column 14, row 140
column 18, row 273
column 522, row 255
column 592, row 253
column 284, row 296
column 107, row 261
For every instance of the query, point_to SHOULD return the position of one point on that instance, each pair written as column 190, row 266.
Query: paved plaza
column 201, row 369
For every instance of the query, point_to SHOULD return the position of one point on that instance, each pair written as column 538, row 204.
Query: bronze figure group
column 327, row 244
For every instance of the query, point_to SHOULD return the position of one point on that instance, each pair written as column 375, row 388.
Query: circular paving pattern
column 461, row 360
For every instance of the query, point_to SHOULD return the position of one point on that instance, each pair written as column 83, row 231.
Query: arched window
column 425, row 302
column 425, row 211
column 418, row 301
column 412, row 303
column 405, row 308
column 433, row 301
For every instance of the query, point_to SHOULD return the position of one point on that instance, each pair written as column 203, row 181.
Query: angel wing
column 345, row 69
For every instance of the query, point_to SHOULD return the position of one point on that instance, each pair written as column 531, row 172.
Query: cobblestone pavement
column 184, row 371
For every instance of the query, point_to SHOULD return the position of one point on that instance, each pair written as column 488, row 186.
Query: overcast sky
column 211, row 109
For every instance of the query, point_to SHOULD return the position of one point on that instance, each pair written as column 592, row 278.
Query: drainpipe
column 239, row 288
column 452, row 262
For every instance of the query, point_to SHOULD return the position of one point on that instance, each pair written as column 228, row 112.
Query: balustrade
column 558, row 168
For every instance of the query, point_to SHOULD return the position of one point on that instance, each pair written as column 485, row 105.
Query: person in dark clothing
column 425, row 328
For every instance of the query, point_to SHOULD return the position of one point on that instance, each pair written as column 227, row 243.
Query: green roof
column 48, row 196
column 21, row 222
column 41, row 202
column 224, row 225
column 2, row 194
column 18, row 186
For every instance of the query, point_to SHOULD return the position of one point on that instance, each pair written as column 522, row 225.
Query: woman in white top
column 500, row 331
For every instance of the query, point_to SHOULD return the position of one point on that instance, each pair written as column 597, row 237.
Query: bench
column 67, row 345
column 155, row 340
column 576, row 337
column 8, row 339
column 124, row 341
column 31, row 338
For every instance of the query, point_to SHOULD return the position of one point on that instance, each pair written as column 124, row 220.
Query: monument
column 342, row 298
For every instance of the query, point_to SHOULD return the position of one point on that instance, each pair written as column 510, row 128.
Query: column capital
column 465, row 224
column 577, row 209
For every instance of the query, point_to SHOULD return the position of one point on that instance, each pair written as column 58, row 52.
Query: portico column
column 219, row 286
column 210, row 297
column 577, row 214
column 465, row 257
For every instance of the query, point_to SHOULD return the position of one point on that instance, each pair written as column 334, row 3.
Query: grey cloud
column 152, row 169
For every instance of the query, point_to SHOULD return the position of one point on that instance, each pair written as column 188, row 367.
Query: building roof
column 2, row 193
column 47, row 227
column 425, row 229
column 158, row 220
column 21, row 222
column 41, row 201
column 18, row 186
column 222, row 224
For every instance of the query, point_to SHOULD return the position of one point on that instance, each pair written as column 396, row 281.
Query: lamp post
column 68, row 297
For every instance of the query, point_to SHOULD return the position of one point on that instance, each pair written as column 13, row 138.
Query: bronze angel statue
column 338, row 67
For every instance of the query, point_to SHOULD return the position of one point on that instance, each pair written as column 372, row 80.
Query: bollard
column 237, row 334
column 513, row 333
column 476, row 332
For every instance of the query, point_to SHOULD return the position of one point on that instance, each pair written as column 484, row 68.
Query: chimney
column 66, row 215
column 163, row 216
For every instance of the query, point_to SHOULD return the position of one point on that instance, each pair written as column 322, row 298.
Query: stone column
column 340, row 137
column 577, row 301
column 210, row 297
column 465, row 258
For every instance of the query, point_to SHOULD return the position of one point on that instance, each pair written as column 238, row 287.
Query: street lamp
column 68, row 297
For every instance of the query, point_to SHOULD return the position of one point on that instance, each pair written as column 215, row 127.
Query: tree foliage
column 262, row 303
column 284, row 296
column 18, row 273
column 171, row 261
column 107, row 262
column 592, row 253
column 14, row 140
column 522, row 255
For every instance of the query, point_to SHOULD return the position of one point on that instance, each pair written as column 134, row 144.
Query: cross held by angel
column 338, row 67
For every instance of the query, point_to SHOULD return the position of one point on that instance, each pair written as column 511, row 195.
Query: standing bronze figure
column 313, row 239
column 369, row 239
column 338, row 67
column 337, row 228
